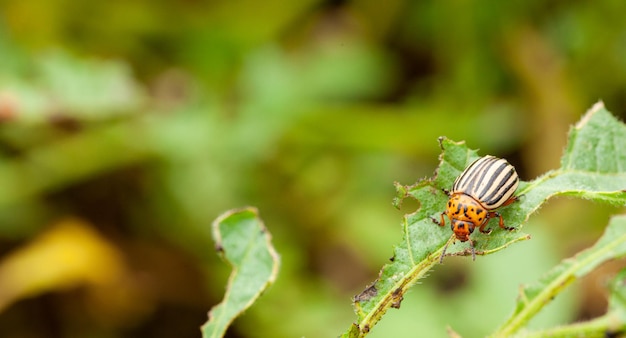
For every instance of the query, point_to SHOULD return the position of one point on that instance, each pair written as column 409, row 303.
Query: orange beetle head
column 462, row 229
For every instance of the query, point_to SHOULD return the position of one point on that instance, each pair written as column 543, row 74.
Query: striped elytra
column 484, row 186
column 491, row 181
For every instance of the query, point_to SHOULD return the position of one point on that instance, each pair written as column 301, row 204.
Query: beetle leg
column 439, row 223
column 482, row 229
column 484, row 224
column 511, row 200
column 501, row 223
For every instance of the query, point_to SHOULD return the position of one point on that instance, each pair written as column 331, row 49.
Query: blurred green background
column 127, row 127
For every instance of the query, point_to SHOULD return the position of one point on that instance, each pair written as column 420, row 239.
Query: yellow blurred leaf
column 68, row 255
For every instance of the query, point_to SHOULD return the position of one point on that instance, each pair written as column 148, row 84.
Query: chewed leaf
column 423, row 241
column 244, row 242
column 601, row 177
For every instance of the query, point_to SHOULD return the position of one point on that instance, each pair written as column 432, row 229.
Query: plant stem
column 605, row 326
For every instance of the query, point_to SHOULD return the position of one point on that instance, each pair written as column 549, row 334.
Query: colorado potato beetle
column 484, row 186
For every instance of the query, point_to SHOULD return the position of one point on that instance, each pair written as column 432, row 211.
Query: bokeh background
column 128, row 126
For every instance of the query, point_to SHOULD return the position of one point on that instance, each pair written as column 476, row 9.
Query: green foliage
column 150, row 121
column 617, row 301
column 593, row 167
column 68, row 87
column 244, row 242
column 532, row 298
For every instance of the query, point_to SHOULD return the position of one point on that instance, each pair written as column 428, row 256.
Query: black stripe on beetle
column 499, row 192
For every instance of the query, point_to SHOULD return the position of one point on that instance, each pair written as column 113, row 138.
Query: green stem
column 605, row 326
column 533, row 306
column 400, row 288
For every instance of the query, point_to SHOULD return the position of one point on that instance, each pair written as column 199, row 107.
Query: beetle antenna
column 443, row 253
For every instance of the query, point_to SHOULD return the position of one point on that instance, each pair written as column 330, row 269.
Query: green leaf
column 243, row 241
column 593, row 167
column 617, row 303
column 532, row 298
column 89, row 89
column 70, row 87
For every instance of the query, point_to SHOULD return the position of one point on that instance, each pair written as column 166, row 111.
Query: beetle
column 485, row 185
